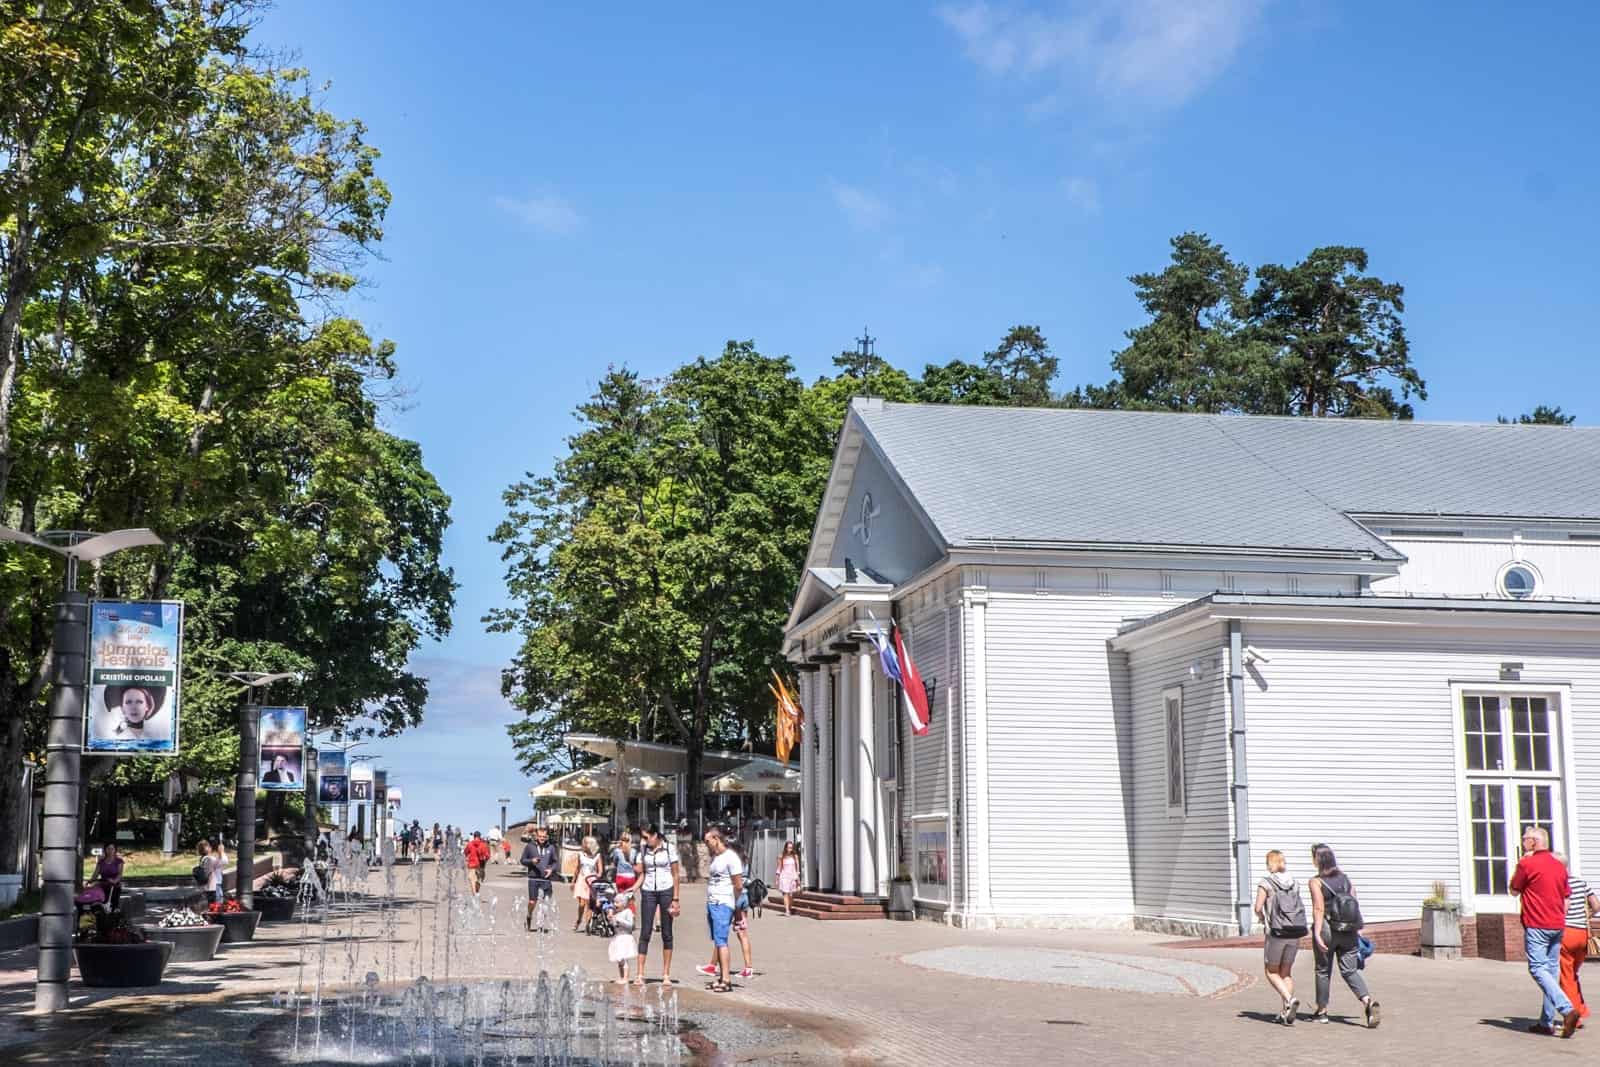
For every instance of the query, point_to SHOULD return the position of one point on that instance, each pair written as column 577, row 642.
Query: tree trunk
column 694, row 754
column 13, row 800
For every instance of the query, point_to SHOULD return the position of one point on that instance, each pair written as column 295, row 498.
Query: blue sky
column 577, row 187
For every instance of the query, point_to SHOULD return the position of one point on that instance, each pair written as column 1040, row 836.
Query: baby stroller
column 602, row 900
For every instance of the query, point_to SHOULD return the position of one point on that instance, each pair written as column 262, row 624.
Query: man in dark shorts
column 542, row 860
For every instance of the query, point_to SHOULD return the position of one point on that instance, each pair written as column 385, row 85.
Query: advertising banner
column 395, row 796
column 333, row 787
column 380, row 787
column 283, row 742
column 134, row 656
column 361, row 789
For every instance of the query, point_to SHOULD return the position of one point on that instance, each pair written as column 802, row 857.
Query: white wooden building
column 1160, row 645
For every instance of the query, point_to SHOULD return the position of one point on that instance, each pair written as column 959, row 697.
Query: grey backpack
column 1286, row 912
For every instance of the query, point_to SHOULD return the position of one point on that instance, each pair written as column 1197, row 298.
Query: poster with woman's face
column 134, row 649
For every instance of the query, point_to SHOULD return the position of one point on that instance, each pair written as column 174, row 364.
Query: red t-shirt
column 1542, row 881
column 478, row 855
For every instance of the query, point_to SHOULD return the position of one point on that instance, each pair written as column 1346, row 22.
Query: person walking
column 1541, row 883
column 211, row 870
column 1336, row 933
column 477, row 854
column 588, row 871
column 658, row 890
column 494, row 843
column 438, row 840
column 724, row 886
column 1582, row 903
column 541, row 859
column 787, row 876
column 623, row 949
column 1283, row 915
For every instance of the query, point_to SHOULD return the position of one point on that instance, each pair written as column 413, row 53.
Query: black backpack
column 199, row 873
column 1342, row 910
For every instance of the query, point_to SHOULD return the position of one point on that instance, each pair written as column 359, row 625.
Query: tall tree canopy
column 1319, row 338
column 179, row 220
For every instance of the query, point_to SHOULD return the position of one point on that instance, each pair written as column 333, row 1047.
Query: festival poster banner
column 135, row 650
column 380, row 787
column 395, row 796
column 333, row 787
column 361, row 789
column 283, row 740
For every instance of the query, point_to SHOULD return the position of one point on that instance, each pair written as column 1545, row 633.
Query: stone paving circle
column 1088, row 970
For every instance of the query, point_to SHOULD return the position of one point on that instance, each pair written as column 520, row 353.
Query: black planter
column 190, row 944
column 275, row 909
column 237, row 925
column 122, row 966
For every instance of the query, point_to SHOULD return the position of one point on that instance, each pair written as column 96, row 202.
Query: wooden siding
column 1352, row 740
column 1470, row 565
column 930, row 639
column 1183, row 864
column 1055, row 756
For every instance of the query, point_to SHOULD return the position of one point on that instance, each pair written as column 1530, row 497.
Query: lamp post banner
column 283, row 743
column 135, row 649
column 333, row 787
column 361, row 789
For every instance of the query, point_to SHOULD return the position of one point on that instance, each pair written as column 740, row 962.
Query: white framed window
column 1172, row 732
column 1517, row 580
column 1514, row 767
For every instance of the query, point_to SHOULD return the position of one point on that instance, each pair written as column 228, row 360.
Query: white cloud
column 1159, row 52
column 1083, row 194
column 865, row 211
column 547, row 212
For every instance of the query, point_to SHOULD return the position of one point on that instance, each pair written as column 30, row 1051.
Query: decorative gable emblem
column 863, row 527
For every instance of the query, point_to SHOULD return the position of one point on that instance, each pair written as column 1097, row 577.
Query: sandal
column 719, row 987
column 639, row 981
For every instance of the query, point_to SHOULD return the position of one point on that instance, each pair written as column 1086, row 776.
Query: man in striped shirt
column 1581, row 902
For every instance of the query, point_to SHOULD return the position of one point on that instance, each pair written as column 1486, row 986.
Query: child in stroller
column 602, row 902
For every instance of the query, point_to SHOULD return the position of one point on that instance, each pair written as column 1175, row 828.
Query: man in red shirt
column 1541, row 881
column 477, row 851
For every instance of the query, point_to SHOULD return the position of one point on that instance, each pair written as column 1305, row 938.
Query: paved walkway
column 848, row 992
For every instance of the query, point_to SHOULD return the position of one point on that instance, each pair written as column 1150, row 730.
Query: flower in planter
column 227, row 907
column 113, row 929
column 183, row 917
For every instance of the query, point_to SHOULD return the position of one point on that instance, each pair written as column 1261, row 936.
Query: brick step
column 820, row 897
column 835, row 916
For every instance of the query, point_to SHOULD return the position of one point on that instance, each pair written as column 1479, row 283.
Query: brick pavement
column 853, row 998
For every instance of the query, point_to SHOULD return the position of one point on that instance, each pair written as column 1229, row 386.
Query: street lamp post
column 64, row 749
column 504, row 802
column 244, row 798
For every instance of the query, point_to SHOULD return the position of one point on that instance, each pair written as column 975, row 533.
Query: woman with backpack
column 1283, row 914
column 1336, row 934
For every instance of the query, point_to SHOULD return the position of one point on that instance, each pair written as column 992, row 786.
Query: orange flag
column 790, row 716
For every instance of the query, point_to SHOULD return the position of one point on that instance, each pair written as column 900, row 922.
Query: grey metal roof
column 1462, row 605
column 1041, row 476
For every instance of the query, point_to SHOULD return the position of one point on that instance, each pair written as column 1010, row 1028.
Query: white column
column 979, row 899
column 808, row 778
column 824, row 779
column 868, row 813
column 845, row 776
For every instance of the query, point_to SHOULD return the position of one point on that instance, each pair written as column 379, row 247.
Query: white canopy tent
column 760, row 775
column 600, row 783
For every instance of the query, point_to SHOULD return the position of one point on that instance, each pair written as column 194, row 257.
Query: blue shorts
column 720, row 918
column 538, row 887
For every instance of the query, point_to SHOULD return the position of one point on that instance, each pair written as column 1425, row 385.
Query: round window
column 1518, row 581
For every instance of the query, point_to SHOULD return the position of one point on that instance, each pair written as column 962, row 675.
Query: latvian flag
column 897, row 664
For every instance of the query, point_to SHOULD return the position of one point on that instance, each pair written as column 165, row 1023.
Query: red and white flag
column 911, row 684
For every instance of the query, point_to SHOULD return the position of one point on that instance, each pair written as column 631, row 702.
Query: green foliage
column 1319, row 338
column 1543, row 415
column 1017, row 373
column 179, row 220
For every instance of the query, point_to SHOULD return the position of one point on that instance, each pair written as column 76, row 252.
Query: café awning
column 760, row 775
column 655, row 757
column 600, row 783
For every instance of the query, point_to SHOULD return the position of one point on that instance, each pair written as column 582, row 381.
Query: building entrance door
column 1513, row 781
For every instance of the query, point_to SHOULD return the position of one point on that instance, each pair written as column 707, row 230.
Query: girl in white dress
column 623, row 947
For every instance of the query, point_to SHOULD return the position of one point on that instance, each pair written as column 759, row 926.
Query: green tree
column 1337, row 345
column 1017, row 373
column 1543, row 415
column 650, row 572
column 177, row 224
column 1193, row 354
